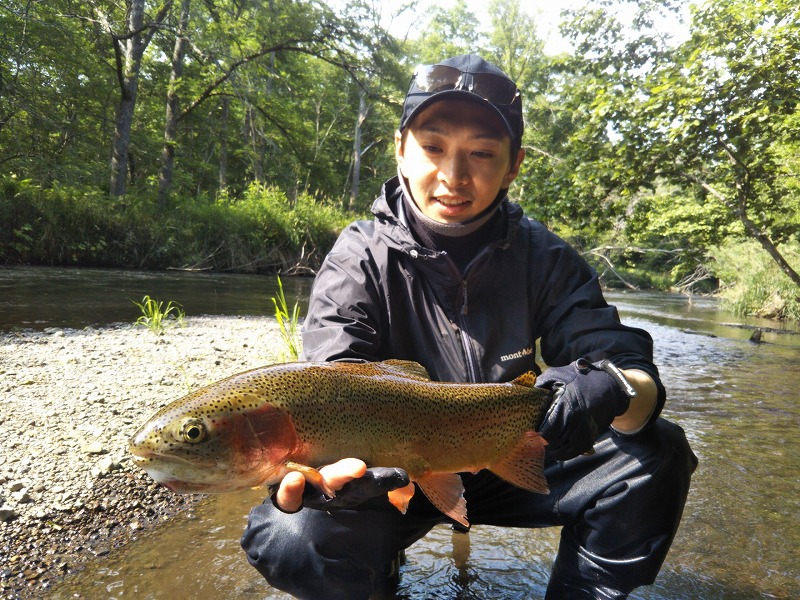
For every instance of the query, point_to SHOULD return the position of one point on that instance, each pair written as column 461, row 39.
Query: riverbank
column 70, row 400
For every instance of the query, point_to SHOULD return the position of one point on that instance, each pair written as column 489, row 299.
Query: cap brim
column 456, row 95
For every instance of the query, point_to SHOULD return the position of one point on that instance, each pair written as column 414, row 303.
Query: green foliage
column 753, row 283
column 262, row 231
column 713, row 116
column 157, row 317
column 288, row 324
column 448, row 32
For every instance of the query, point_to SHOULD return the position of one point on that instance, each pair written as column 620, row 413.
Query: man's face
column 456, row 158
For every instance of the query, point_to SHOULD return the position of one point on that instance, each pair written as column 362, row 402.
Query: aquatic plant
column 156, row 317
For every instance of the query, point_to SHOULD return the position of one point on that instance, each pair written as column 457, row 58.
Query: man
column 452, row 275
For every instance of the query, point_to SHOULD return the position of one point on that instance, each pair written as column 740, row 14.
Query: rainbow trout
column 253, row 428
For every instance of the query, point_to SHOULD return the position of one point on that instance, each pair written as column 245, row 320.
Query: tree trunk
column 755, row 232
column 128, row 50
column 223, row 144
column 739, row 208
column 173, row 103
column 362, row 115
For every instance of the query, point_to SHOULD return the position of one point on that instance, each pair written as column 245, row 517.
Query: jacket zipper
column 472, row 362
column 469, row 354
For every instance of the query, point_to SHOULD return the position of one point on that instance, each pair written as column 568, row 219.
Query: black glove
column 586, row 398
column 376, row 481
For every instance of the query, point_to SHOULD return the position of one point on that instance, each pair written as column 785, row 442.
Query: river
column 737, row 401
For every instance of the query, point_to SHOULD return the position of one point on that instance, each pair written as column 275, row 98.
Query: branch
column 611, row 268
column 544, row 153
column 290, row 45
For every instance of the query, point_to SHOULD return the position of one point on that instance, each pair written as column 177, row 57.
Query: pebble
column 7, row 513
column 93, row 448
column 21, row 496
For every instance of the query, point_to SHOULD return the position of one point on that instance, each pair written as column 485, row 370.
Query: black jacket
column 379, row 294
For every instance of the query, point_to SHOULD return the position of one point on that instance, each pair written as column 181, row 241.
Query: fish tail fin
column 524, row 465
column 446, row 492
column 400, row 497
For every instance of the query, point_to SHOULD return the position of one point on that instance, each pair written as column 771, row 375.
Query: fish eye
column 193, row 432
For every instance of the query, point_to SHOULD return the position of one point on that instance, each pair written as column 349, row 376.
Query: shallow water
column 737, row 401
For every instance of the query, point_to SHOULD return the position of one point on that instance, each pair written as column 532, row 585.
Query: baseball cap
column 465, row 77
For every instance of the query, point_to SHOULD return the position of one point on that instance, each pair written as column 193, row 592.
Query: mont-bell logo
column 518, row 354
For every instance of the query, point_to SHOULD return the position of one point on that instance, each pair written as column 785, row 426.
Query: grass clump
column 157, row 317
column 288, row 324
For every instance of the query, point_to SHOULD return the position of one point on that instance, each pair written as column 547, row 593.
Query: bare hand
column 289, row 496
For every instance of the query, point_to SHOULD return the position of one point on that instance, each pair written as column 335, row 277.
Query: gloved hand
column 586, row 399
column 376, row 481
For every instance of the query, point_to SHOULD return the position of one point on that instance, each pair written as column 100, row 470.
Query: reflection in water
column 738, row 540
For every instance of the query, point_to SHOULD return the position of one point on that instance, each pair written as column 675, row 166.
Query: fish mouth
column 143, row 458
column 188, row 487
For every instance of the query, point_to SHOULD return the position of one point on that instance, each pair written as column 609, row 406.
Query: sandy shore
column 69, row 401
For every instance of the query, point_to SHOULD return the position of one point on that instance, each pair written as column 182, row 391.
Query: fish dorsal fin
column 527, row 379
column 406, row 368
column 446, row 492
column 524, row 465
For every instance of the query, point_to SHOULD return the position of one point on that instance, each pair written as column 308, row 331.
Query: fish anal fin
column 527, row 379
column 400, row 497
column 313, row 477
column 446, row 492
column 524, row 465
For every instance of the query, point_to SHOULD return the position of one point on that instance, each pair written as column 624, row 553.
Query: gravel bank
column 69, row 401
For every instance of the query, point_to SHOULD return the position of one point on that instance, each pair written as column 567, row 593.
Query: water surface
column 737, row 401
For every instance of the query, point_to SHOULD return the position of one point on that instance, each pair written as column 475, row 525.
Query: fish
column 253, row 428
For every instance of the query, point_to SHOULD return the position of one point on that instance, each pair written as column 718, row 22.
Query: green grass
column 288, row 324
column 157, row 317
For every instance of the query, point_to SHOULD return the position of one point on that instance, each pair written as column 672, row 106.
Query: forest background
column 243, row 135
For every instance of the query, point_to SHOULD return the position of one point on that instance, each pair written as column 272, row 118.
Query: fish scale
column 254, row 427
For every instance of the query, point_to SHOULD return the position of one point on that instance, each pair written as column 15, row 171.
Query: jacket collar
column 388, row 210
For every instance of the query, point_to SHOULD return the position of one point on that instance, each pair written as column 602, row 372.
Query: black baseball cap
column 467, row 77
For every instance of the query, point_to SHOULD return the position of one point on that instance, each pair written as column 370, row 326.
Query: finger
column 289, row 496
column 339, row 473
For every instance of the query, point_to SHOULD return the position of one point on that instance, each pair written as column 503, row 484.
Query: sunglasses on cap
column 432, row 79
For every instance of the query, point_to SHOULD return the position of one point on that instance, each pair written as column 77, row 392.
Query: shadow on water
column 37, row 298
column 738, row 539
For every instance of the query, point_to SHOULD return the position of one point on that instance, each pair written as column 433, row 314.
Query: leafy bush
column 752, row 282
column 261, row 231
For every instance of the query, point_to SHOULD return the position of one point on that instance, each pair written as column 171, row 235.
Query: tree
column 129, row 48
column 712, row 115
column 448, row 32
column 173, row 106
column 514, row 44
column 52, row 94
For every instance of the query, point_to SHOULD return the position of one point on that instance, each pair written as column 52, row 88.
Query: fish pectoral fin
column 524, row 465
column 400, row 497
column 446, row 492
column 312, row 476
